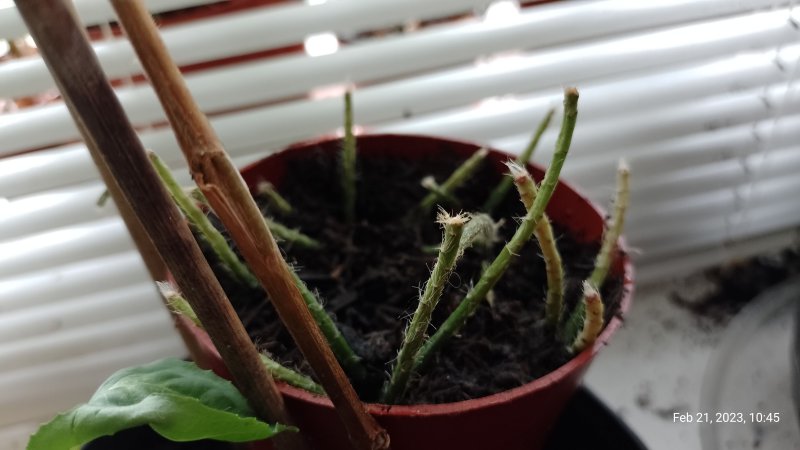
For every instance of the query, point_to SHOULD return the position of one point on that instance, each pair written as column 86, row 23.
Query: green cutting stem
column 293, row 236
column 348, row 161
column 178, row 305
column 278, row 203
column 350, row 362
column 200, row 221
column 603, row 260
column 501, row 190
column 415, row 333
column 547, row 243
column 463, row 173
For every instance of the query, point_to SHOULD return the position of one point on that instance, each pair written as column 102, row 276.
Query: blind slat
column 199, row 41
column 285, row 77
column 91, row 12
column 72, row 280
column 63, row 245
column 77, row 312
column 243, row 129
column 41, row 390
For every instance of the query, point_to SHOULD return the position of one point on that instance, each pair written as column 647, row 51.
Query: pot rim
column 442, row 409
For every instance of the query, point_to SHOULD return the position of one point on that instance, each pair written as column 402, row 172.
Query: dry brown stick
column 72, row 62
column 227, row 194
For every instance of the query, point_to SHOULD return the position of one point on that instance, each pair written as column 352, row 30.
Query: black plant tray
column 588, row 424
column 598, row 429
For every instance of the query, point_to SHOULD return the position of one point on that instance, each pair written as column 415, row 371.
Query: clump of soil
column 369, row 276
column 734, row 285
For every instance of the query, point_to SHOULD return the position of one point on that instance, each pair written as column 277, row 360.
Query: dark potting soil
column 369, row 276
column 734, row 285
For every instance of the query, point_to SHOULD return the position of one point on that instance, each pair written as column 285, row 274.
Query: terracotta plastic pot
column 516, row 419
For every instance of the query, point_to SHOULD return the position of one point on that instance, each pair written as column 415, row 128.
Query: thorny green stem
column 199, row 220
column 547, row 243
column 603, row 260
column 492, row 274
column 275, row 199
column 287, row 234
column 592, row 320
column 415, row 333
column 501, row 191
column 289, row 376
column 348, row 161
column 612, row 234
column 178, row 305
column 350, row 362
column 456, row 179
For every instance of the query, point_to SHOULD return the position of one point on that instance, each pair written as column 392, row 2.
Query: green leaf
column 176, row 398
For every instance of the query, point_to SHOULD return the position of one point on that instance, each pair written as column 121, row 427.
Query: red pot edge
column 577, row 363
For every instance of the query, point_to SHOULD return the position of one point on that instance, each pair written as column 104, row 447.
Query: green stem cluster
column 216, row 240
column 449, row 252
column 523, row 233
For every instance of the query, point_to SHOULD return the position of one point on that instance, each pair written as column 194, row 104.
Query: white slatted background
column 698, row 95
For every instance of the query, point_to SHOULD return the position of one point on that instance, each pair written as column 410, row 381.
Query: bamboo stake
column 227, row 194
column 97, row 110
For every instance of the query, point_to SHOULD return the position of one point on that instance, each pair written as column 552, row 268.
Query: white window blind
column 698, row 95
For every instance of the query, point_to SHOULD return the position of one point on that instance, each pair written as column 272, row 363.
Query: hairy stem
column 344, row 353
column 200, row 221
column 289, row 376
column 614, row 230
column 176, row 303
column 287, row 234
column 275, row 199
column 592, row 320
column 415, row 333
column 547, row 243
column 501, row 191
column 603, row 260
column 498, row 267
column 348, row 161
column 456, row 179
